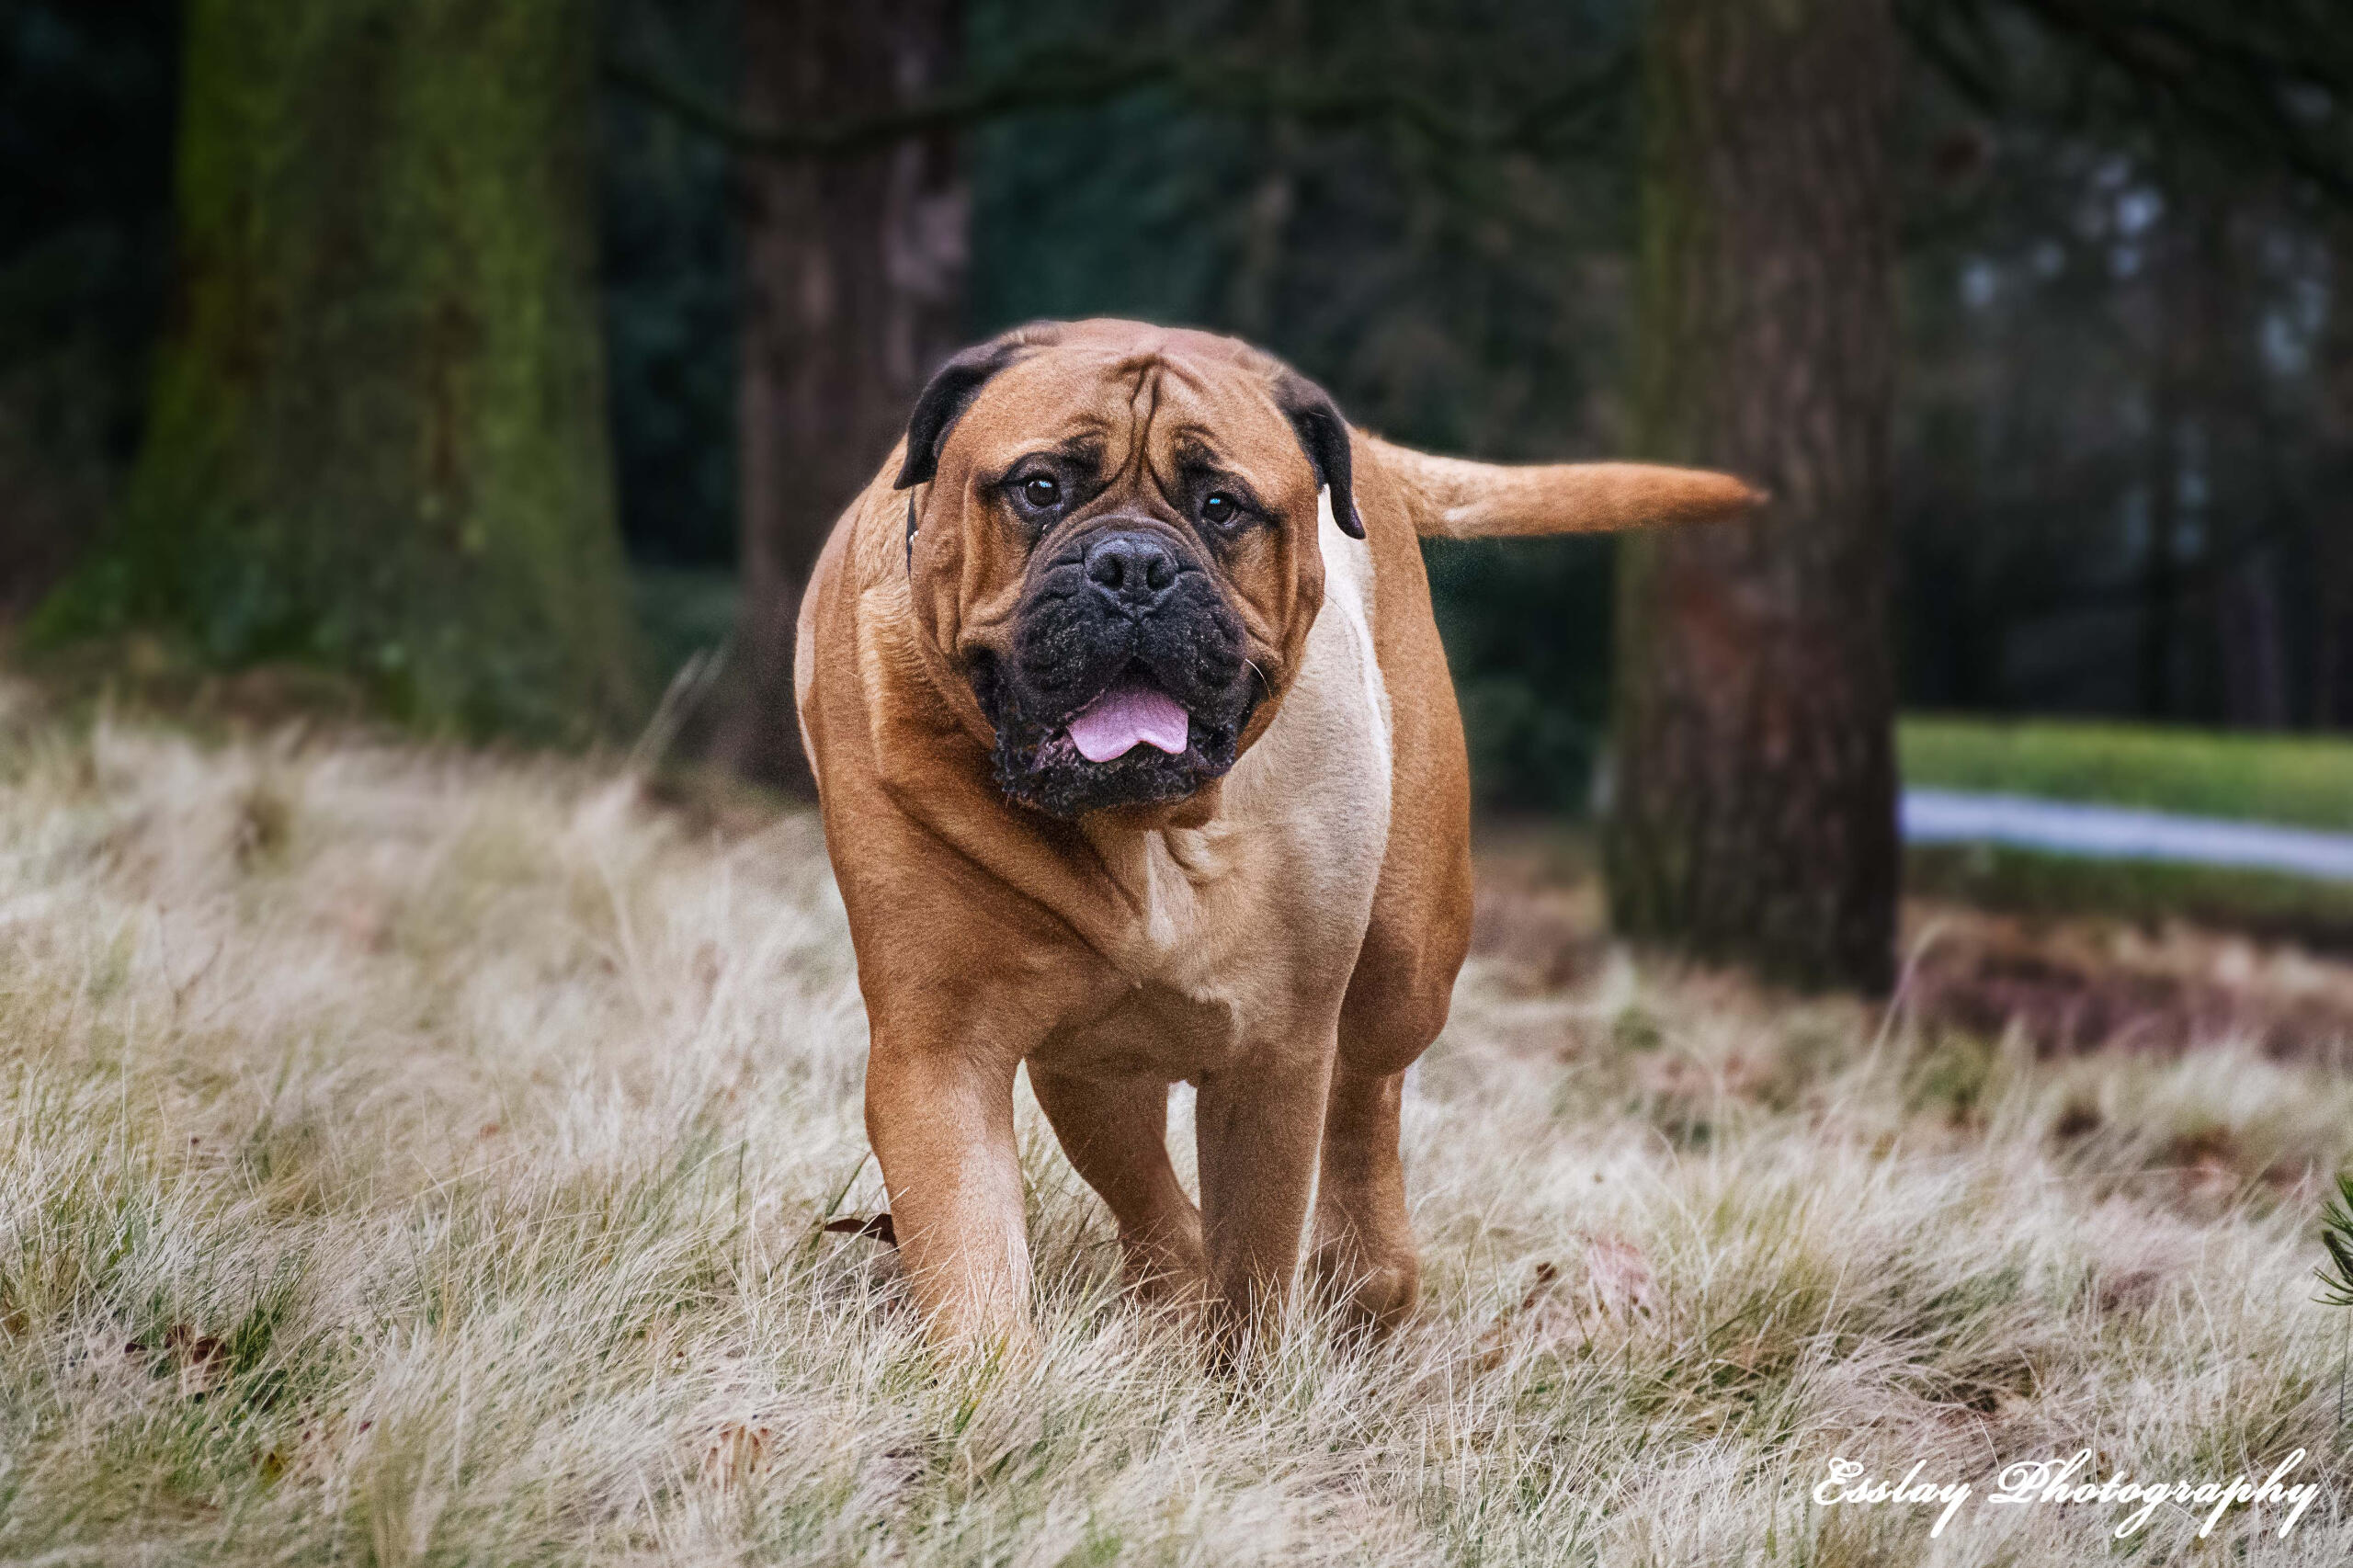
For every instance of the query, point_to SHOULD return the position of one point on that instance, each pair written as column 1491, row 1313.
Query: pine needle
column 2337, row 1235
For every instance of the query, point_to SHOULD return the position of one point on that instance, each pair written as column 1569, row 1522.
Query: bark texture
column 1754, row 791
column 377, row 434
column 853, row 277
column 2333, row 530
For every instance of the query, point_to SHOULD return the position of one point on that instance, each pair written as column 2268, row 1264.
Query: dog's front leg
column 1258, row 1126
column 939, row 1116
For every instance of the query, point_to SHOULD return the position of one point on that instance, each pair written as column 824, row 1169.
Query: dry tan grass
column 408, row 1156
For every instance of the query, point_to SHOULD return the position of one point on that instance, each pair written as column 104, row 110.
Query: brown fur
column 1286, row 939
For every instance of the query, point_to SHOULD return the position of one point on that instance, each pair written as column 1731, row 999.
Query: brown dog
column 1140, row 762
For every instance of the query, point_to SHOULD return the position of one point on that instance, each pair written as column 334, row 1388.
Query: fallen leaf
column 878, row 1228
column 203, row 1359
column 1610, row 1287
column 739, row 1449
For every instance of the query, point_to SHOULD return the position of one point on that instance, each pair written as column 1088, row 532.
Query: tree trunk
column 853, row 291
column 377, row 434
column 2174, row 361
column 2331, row 524
column 2251, row 626
column 1754, row 790
column 2331, row 646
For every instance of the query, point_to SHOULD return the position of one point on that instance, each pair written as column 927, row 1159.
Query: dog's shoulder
column 863, row 555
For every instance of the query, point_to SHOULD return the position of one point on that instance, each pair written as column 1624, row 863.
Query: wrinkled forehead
column 1166, row 397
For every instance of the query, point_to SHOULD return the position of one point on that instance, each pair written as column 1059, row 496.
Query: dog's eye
column 1221, row 508
column 1041, row 493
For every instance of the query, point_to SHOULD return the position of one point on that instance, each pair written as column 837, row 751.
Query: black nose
column 1134, row 571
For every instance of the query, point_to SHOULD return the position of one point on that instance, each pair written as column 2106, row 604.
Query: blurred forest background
column 2122, row 441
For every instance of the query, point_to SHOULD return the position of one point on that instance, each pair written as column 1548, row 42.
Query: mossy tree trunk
column 854, row 272
column 377, row 431
column 1754, row 790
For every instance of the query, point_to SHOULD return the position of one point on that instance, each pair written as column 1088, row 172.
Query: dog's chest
column 1252, row 923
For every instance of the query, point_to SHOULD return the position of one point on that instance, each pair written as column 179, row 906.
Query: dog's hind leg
column 1364, row 1254
column 1397, row 1002
column 1116, row 1135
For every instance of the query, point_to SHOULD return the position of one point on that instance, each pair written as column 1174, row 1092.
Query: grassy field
column 2258, row 777
column 2297, row 780
column 2260, row 904
column 408, row 1156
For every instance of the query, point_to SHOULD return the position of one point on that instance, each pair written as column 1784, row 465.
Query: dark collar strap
column 911, row 533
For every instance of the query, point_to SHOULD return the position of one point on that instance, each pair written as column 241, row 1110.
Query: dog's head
column 1112, row 542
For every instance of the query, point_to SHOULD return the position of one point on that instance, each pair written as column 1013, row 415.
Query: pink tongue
column 1112, row 724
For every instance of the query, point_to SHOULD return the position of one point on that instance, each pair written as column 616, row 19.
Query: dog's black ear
column 1324, row 436
column 950, row 392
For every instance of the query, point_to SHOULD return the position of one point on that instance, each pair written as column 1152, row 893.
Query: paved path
column 2120, row 833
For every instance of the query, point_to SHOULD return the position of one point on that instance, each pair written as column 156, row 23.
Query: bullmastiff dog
column 1138, row 762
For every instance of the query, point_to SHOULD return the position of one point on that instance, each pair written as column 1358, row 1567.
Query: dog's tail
column 1461, row 499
